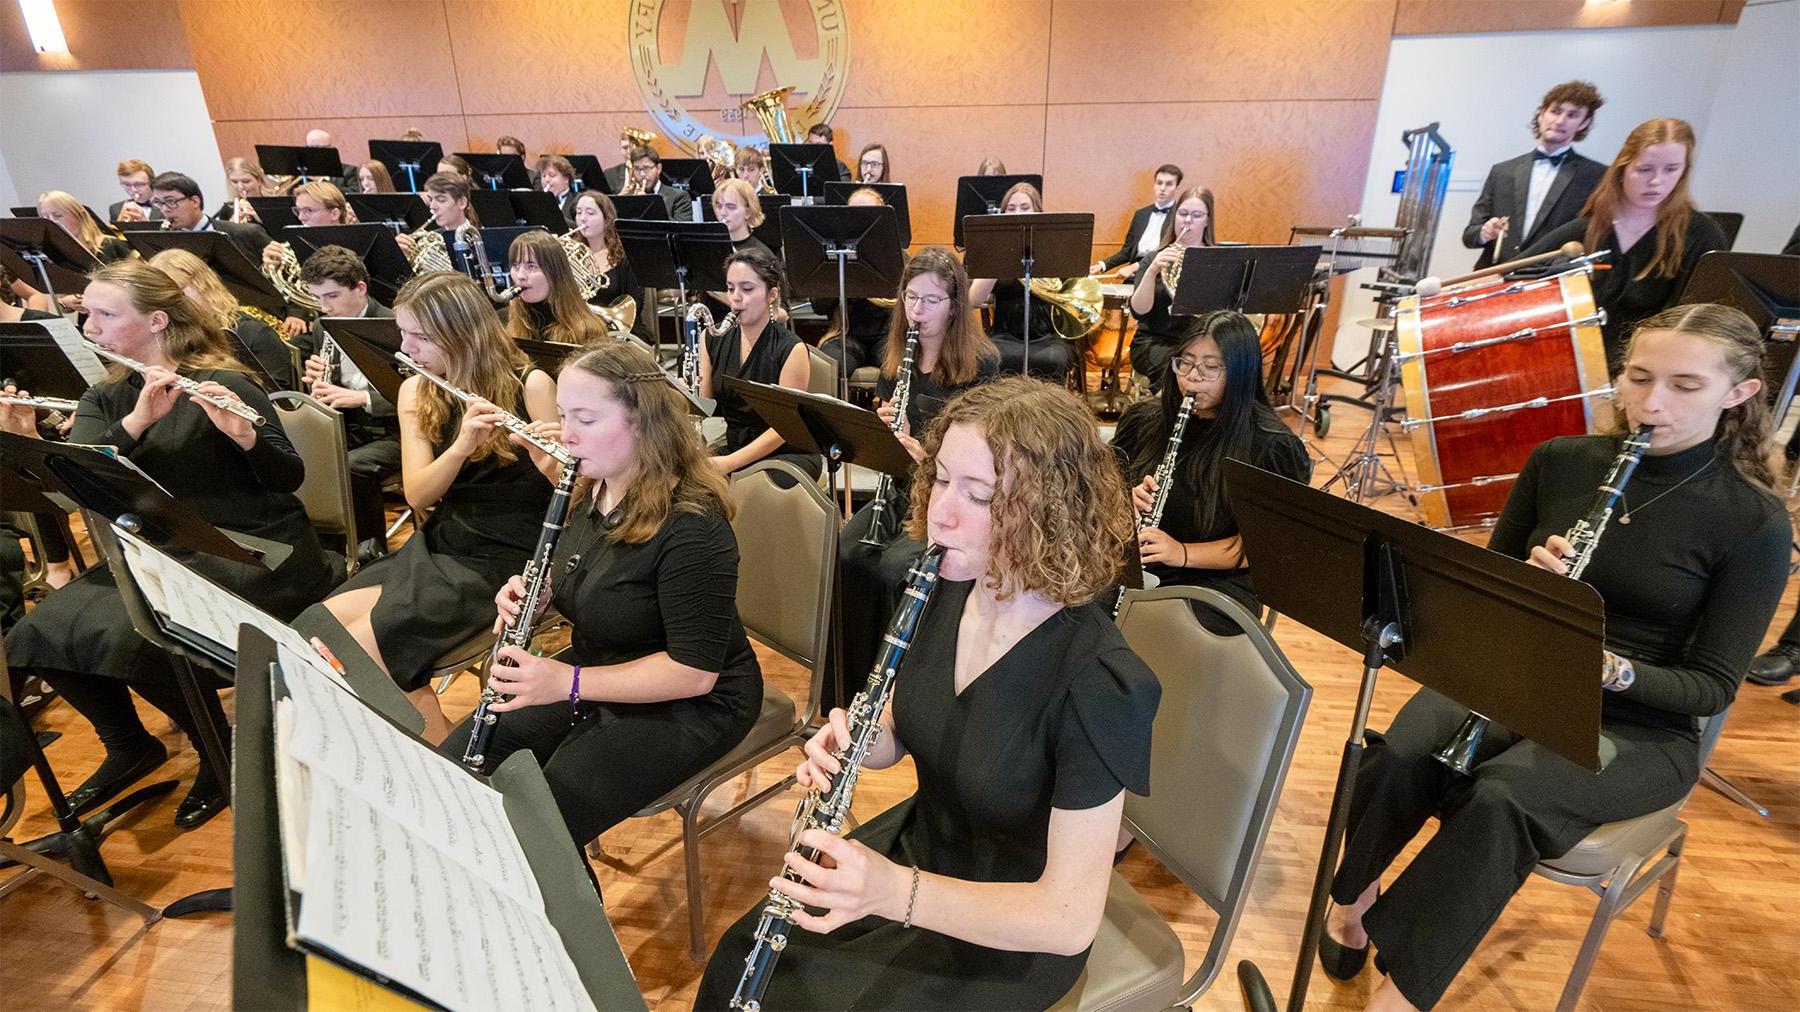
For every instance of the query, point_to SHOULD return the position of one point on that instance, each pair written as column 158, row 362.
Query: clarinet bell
column 1459, row 752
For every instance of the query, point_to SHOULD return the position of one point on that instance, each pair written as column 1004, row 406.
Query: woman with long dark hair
column 549, row 306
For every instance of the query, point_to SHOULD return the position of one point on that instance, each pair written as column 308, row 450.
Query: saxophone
column 1459, row 752
column 880, row 524
column 694, row 319
column 1165, row 479
column 827, row 809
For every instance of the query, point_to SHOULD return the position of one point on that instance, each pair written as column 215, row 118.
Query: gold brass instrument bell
column 1076, row 304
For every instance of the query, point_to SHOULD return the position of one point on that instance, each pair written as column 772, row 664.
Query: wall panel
column 102, row 35
column 915, row 53
column 1439, row 17
column 541, row 56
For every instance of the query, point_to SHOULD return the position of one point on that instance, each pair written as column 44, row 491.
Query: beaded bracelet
column 574, row 692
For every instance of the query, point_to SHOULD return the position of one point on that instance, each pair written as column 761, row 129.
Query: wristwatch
column 1621, row 673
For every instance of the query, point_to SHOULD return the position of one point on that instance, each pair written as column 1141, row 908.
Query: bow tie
column 1158, row 210
column 1556, row 160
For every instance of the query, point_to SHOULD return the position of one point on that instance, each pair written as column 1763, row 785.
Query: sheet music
column 382, row 897
column 68, row 339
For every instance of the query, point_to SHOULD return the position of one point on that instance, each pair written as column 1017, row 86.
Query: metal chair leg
column 690, row 855
column 1719, row 782
column 1608, row 908
column 1665, row 889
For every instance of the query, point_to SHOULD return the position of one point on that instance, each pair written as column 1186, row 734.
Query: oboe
column 518, row 634
column 508, row 421
column 880, row 524
column 186, row 385
column 827, row 809
column 1165, row 479
column 1459, row 752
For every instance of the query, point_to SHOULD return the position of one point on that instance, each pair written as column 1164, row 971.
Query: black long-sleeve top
column 1690, row 582
column 621, row 280
column 1159, row 324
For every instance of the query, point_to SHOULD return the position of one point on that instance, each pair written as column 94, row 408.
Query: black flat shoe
column 196, row 810
column 1775, row 667
column 98, row 790
column 1341, row 962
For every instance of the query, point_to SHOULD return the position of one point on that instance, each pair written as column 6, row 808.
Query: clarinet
column 1165, row 479
column 1459, row 752
column 826, row 810
column 880, row 524
column 518, row 634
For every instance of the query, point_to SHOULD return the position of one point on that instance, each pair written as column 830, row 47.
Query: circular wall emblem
column 696, row 60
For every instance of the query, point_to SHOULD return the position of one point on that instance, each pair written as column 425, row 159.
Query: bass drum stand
column 1365, row 475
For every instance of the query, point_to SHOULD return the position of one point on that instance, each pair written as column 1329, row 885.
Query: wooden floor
column 1731, row 942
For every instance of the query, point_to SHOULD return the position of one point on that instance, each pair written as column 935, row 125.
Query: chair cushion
column 866, row 376
column 1609, row 846
column 775, row 722
column 1136, row 961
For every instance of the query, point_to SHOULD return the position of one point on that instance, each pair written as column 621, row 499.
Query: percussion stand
column 1364, row 475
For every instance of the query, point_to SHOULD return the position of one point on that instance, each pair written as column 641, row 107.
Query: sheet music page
column 382, row 897
column 293, row 797
column 69, row 341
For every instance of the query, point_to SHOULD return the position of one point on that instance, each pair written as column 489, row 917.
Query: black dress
column 1272, row 448
column 767, row 356
column 1062, row 720
column 868, row 332
column 263, row 351
column 438, row 589
column 622, row 282
column 675, row 592
column 1160, row 333
column 1051, row 356
column 1625, row 300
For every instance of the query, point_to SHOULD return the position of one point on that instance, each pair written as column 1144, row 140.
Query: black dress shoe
column 1776, row 666
column 104, row 785
column 1341, row 962
column 198, row 808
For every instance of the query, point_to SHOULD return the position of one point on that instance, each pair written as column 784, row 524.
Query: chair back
column 1231, row 712
column 824, row 378
column 317, row 433
column 787, row 533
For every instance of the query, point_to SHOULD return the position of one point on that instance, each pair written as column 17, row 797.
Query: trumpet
column 508, row 421
column 241, row 211
column 186, row 385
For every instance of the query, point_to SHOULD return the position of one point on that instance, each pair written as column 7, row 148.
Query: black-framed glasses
column 166, row 203
column 1206, row 369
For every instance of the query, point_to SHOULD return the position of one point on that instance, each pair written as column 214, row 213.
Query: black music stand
column 1766, row 286
column 500, row 170
column 892, row 194
column 692, row 176
column 688, row 256
column 32, row 212
column 125, row 228
column 274, row 212
column 402, row 212
column 30, row 356
column 770, row 230
column 833, row 249
column 298, row 160
column 244, row 279
column 371, row 342
column 802, row 170
column 1010, row 247
column 40, row 248
column 372, row 242
column 640, row 207
column 982, row 195
column 589, row 175
column 1248, row 279
column 519, row 207
column 837, row 430
column 1512, row 641
column 411, row 161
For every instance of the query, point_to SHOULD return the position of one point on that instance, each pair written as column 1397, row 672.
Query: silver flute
column 40, row 403
column 186, row 385
column 1165, row 479
column 508, row 421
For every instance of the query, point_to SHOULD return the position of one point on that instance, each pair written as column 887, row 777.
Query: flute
column 186, row 385
column 40, row 403
column 508, row 421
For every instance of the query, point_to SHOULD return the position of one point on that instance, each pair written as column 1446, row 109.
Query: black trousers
column 1051, row 356
column 618, row 758
column 1522, row 804
column 1151, row 354
column 370, row 465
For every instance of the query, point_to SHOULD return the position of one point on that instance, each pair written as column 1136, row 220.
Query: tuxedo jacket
column 1127, row 251
column 681, row 207
column 567, row 203
column 360, row 426
column 1503, row 196
column 113, row 209
column 615, row 176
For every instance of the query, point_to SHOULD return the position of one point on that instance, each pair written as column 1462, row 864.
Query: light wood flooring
column 1732, row 937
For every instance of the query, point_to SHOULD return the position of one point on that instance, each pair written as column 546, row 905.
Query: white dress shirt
column 1543, row 173
column 1151, row 240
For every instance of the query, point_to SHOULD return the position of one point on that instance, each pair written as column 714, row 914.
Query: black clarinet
column 518, row 634
column 827, row 809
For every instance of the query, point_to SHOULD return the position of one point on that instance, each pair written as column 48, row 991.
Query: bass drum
column 1491, row 370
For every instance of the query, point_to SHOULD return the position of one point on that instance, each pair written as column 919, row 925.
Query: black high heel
column 1340, row 961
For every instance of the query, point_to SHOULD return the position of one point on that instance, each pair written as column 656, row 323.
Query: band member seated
column 1526, row 197
column 873, row 164
column 486, row 493
column 596, row 225
column 1027, row 717
column 757, row 348
column 1643, row 214
column 646, row 167
column 820, row 133
column 249, row 332
column 1160, row 332
column 509, row 145
column 549, row 306
column 1051, row 356
column 245, row 179
column 178, row 198
column 660, row 680
column 619, row 176
column 134, row 179
column 556, row 176
column 235, row 475
column 869, row 322
column 991, row 166
column 457, row 165
column 1197, row 542
column 953, row 354
column 373, row 177
column 1144, row 236
column 316, row 203
column 338, row 279
column 63, row 209
column 750, row 166
column 446, row 196
column 1690, row 567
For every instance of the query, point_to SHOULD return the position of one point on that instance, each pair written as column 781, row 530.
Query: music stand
column 1512, row 641
column 371, row 342
column 982, row 195
column 692, row 176
column 640, row 207
column 839, row 431
column 500, row 170
column 802, row 170
column 688, row 256
column 244, row 279
column 298, row 160
column 496, row 245
column 402, row 212
column 589, row 175
column 519, row 207
column 1766, row 286
column 372, row 242
column 892, row 194
column 40, row 248
column 1009, row 247
column 31, row 356
column 416, row 160
column 274, row 212
column 834, row 249
column 1248, row 279
column 770, row 230
column 127, row 227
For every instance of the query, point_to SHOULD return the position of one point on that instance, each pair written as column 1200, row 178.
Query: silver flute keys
column 186, row 385
column 508, row 421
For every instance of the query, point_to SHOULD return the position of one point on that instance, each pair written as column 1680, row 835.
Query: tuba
column 1075, row 303
column 770, row 109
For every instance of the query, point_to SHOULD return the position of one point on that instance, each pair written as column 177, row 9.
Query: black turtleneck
column 539, row 315
column 1690, row 583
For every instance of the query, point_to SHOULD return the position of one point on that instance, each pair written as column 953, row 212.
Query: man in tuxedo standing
column 1528, row 196
column 1146, row 225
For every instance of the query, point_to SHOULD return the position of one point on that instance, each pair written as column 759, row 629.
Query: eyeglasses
column 1206, row 369
column 871, row 163
column 928, row 301
column 165, row 203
